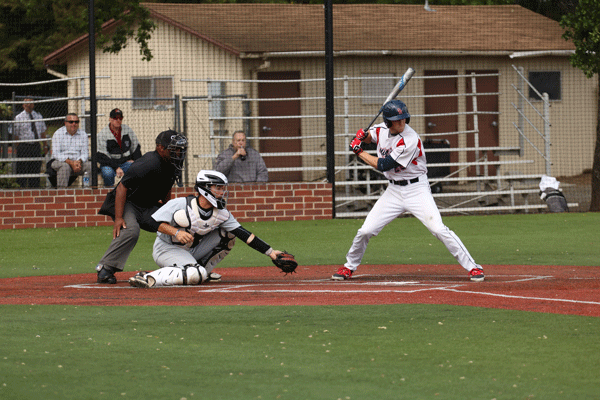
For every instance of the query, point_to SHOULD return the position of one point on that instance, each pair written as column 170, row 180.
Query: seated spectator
column 240, row 163
column 70, row 151
column 117, row 148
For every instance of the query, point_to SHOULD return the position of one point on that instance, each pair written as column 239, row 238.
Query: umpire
column 145, row 187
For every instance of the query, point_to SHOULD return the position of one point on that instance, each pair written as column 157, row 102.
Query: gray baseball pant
column 121, row 247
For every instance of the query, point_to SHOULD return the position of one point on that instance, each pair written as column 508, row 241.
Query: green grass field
column 305, row 352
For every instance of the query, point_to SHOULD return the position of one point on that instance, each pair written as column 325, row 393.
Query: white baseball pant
column 415, row 198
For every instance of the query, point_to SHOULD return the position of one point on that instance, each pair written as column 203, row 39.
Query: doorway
column 280, row 127
column 446, row 84
column 487, row 123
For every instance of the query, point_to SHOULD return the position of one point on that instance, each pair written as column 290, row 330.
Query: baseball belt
column 404, row 183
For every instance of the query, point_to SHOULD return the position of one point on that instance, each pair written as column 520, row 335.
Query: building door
column 280, row 127
column 442, row 105
column 487, row 123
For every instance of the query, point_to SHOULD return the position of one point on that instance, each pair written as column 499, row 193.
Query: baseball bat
column 397, row 89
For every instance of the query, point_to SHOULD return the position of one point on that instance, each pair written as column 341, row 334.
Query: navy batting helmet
column 395, row 110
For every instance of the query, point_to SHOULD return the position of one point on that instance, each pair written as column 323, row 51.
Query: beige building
column 227, row 49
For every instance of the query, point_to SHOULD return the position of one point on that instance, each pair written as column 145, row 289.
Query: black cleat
column 106, row 274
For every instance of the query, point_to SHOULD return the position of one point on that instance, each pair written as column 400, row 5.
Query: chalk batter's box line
column 229, row 287
column 348, row 287
column 246, row 289
column 344, row 288
column 526, row 297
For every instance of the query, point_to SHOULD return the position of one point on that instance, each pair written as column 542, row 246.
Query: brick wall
column 61, row 208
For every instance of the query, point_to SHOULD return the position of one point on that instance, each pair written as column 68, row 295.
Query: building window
column 156, row 89
column 545, row 82
column 376, row 87
column 216, row 107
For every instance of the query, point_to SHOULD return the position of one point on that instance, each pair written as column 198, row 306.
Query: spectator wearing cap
column 117, row 147
column 145, row 187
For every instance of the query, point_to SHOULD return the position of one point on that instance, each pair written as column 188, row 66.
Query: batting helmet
column 208, row 178
column 395, row 110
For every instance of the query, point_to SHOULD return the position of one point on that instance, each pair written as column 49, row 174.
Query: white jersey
column 406, row 148
column 219, row 219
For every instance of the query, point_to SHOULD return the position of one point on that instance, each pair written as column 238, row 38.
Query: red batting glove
column 361, row 134
column 355, row 146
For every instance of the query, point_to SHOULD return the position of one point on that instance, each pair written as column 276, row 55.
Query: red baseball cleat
column 476, row 275
column 342, row 274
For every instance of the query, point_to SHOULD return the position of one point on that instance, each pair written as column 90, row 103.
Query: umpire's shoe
column 106, row 274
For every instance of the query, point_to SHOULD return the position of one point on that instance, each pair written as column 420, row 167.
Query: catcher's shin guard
column 220, row 251
column 191, row 274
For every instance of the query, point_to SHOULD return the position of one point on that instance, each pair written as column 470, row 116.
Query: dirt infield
column 553, row 289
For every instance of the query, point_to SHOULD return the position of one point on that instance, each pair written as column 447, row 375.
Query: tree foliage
column 32, row 29
column 583, row 28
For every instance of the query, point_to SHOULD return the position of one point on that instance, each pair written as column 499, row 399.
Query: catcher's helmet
column 395, row 110
column 177, row 145
column 208, row 178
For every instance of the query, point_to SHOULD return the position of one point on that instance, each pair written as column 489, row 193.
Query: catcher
column 196, row 233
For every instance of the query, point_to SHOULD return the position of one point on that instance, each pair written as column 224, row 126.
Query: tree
column 583, row 28
column 32, row 29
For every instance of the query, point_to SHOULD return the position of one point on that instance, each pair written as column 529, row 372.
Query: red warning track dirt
column 553, row 289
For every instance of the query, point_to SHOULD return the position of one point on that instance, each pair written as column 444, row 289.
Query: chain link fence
column 494, row 120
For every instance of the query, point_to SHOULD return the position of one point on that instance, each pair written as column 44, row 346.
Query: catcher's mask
column 176, row 144
column 395, row 110
column 205, row 181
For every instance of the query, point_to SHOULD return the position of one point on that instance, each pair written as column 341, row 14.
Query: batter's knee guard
column 220, row 251
column 191, row 274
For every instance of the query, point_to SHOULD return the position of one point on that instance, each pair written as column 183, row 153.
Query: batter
column 401, row 158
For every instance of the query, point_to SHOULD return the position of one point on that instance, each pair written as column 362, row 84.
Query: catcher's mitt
column 286, row 262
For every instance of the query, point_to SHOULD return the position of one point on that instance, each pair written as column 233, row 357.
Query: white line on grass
column 521, row 297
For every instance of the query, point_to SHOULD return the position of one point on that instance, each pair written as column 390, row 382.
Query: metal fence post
column 330, row 95
column 521, row 106
column 547, row 133
column 176, row 117
column 475, row 128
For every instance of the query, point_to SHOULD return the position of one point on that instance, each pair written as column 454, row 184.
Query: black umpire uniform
column 145, row 187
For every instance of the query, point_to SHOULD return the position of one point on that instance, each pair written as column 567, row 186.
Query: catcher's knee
column 191, row 274
column 194, row 274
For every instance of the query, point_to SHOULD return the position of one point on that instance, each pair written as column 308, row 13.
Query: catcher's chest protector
column 202, row 227
column 210, row 224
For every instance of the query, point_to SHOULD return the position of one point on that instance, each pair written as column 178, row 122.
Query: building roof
column 282, row 28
